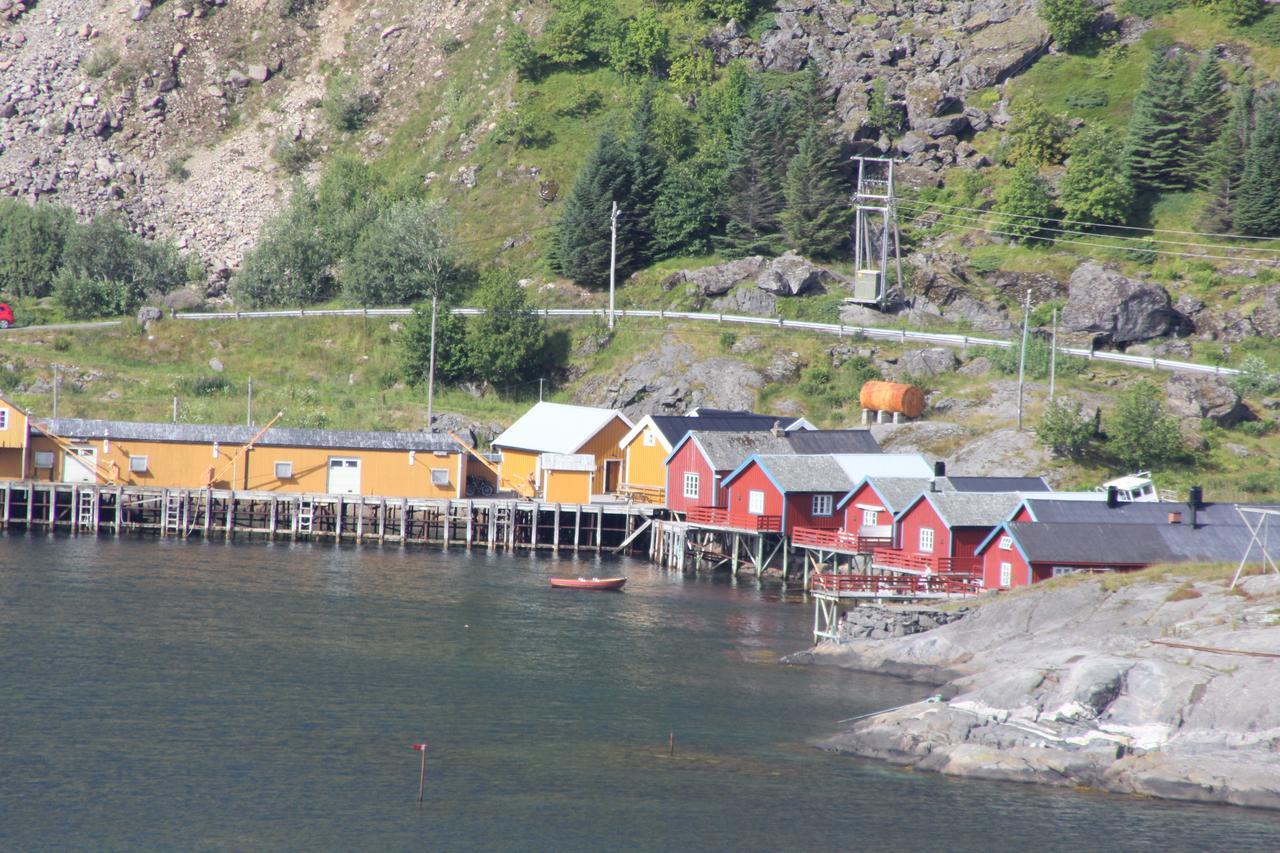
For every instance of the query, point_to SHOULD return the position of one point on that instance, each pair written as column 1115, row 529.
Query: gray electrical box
column 866, row 286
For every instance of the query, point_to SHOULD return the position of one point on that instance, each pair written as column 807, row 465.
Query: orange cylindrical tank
column 892, row 397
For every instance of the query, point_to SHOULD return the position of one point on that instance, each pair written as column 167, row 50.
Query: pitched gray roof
column 974, row 509
column 728, row 450
column 1100, row 543
column 833, row 441
column 673, row 427
column 817, row 473
column 999, row 484
column 274, row 437
column 897, row 492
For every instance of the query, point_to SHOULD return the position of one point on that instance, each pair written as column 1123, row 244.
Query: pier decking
column 493, row 524
column 832, row 593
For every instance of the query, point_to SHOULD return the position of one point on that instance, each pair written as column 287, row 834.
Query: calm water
column 167, row 695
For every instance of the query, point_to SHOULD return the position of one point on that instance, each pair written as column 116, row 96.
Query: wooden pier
column 491, row 524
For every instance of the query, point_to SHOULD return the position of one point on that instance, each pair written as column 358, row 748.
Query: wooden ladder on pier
column 306, row 515
column 85, row 511
column 171, row 513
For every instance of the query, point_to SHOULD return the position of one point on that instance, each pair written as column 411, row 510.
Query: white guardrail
column 838, row 329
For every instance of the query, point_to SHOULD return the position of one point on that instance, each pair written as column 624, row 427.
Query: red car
column 6, row 316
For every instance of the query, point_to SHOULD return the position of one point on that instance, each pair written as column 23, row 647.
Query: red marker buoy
column 422, row 772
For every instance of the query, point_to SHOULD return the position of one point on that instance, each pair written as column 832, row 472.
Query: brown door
column 612, row 469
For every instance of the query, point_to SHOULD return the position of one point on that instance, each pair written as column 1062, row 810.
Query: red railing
column 897, row 584
column 894, row 558
column 721, row 517
column 837, row 540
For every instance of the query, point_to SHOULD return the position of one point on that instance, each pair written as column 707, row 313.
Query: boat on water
column 588, row 583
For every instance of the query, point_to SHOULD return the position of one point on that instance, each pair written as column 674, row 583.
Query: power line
column 1275, row 253
column 1097, row 224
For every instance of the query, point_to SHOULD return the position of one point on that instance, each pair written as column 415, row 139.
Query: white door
column 344, row 475
column 79, row 465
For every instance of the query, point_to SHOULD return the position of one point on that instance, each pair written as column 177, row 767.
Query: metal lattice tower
column 875, row 213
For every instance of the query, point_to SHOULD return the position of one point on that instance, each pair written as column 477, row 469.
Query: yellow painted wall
column 644, row 463
column 15, row 432
column 186, row 466
column 10, row 463
column 604, row 445
column 519, row 466
column 568, row 487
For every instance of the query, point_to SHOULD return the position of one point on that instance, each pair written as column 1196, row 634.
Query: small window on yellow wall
column 649, row 438
column 284, row 470
column 439, row 476
column 44, row 459
column 4, row 418
column 138, row 464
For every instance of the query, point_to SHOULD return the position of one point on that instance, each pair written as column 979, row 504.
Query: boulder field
column 1160, row 686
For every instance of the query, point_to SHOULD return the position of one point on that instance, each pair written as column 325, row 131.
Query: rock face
column 792, row 275
column 1116, row 309
column 1197, row 397
column 940, row 289
column 719, row 279
column 929, row 362
column 875, row 622
column 1074, row 685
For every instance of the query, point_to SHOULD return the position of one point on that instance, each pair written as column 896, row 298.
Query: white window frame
column 44, row 459
column 1006, row 575
column 649, row 438
column 692, row 485
column 138, row 464
column 871, row 518
column 755, row 502
column 926, row 540
column 1006, row 543
column 823, row 505
column 439, row 476
column 284, row 470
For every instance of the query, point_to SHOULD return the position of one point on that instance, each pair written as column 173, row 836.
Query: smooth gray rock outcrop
column 1117, row 309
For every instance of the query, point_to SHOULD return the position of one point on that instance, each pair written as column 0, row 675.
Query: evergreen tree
column 1207, row 98
column 1157, row 148
column 580, row 249
column 1096, row 187
column 1024, row 202
column 1227, row 158
column 646, row 168
column 816, row 218
column 1258, row 206
column 754, row 200
column 687, row 211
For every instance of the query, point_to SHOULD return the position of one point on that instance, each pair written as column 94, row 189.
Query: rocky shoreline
column 1163, row 686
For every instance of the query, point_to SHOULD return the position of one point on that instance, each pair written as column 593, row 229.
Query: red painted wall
column 852, row 517
column 991, row 560
column 690, row 459
column 1023, row 514
column 967, row 540
column 923, row 515
column 800, row 512
column 753, row 478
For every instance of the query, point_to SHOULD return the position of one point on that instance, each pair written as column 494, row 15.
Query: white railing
column 839, row 329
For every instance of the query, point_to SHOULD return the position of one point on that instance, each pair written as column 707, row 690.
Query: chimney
column 777, row 429
column 1195, row 499
column 1113, row 497
column 1175, row 518
column 940, row 468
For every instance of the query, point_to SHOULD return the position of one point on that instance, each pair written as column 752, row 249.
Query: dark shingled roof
column 1100, row 543
column 274, row 437
column 673, row 427
column 1137, row 512
column 833, row 441
column 999, row 484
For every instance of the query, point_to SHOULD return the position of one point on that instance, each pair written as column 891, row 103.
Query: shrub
column 1024, row 203
column 519, row 52
column 293, row 155
column 888, row 117
column 1087, row 100
column 291, row 265
column 640, row 45
column 1139, row 432
column 345, row 106
column 727, row 340
column 414, row 344
column 1064, row 428
column 403, row 257
column 1069, row 21
column 1237, row 12
column 1006, row 359
column 1037, row 135
column 1258, row 483
column 101, row 61
column 208, row 386
column 84, row 297
column 520, row 127
column 31, row 242
column 176, row 167
column 1143, row 252
column 1150, row 8
column 1255, row 378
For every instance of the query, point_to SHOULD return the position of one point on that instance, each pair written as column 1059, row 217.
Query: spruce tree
column 1096, row 187
column 580, row 250
column 1207, row 98
column 816, row 218
column 1227, row 157
column 687, row 211
column 1157, row 146
column 754, row 199
column 1258, row 208
column 645, row 170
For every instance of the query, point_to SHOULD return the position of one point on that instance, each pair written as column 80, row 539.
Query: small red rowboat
column 588, row 583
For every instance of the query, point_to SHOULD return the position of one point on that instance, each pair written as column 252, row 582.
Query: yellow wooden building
column 195, row 456
column 560, row 429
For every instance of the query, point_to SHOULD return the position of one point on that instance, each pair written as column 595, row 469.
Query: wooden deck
column 896, row 586
column 721, row 519
column 493, row 524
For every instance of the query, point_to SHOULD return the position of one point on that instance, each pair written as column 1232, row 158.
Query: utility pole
column 1053, row 354
column 1022, row 359
column 57, row 381
column 431, row 362
column 248, row 418
column 613, row 257
column 540, row 381
column 875, row 223
column 175, row 410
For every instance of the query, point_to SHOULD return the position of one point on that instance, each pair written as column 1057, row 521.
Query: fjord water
column 156, row 694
